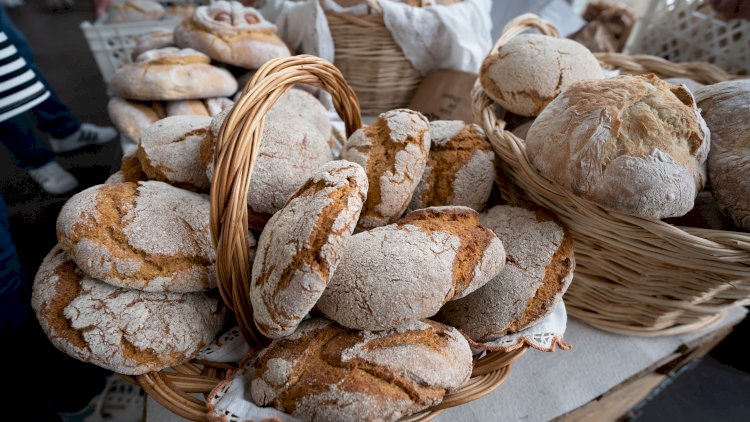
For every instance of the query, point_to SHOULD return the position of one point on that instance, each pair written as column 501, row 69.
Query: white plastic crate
column 688, row 31
column 112, row 43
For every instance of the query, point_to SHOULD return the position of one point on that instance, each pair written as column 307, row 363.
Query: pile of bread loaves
column 190, row 71
column 638, row 145
column 128, row 11
column 371, row 245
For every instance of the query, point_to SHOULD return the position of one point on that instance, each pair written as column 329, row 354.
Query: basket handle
column 236, row 154
column 520, row 24
column 638, row 64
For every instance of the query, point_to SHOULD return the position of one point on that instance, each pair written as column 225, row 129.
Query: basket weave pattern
column 236, row 153
column 371, row 61
column 633, row 275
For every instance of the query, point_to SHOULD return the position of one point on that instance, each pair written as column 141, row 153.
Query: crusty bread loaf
column 393, row 150
column 170, row 151
column 406, row 271
column 291, row 150
column 134, row 11
column 690, row 84
column 538, row 270
column 130, row 170
column 633, row 144
column 231, row 33
column 325, row 372
column 217, row 105
column 302, row 244
column 132, row 117
column 460, row 169
column 300, row 104
column 532, row 69
column 127, row 331
column 147, row 235
column 726, row 108
column 156, row 39
column 172, row 74
column 187, row 108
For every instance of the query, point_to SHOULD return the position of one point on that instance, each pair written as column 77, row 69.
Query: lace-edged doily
column 544, row 336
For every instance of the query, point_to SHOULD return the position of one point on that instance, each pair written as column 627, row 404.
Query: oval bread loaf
column 325, row 372
column 131, row 118
column 538, row 270
column 726, row 108
column 633, row 144
column 301, row 245
column 130, row 171
column 393, row 150
column 407, row 270
column 460, row 168
column 124, row 330
column 147, row 235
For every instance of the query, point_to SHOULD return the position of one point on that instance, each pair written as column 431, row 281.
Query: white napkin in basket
column 231, row 398
column 455, row 37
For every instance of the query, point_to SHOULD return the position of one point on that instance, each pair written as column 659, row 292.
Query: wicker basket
column 371, row 61
column 236, row 153
column 633, row 275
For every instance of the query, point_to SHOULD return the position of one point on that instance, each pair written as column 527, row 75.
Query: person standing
column 28, row 100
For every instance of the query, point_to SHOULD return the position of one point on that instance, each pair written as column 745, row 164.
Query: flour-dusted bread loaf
column 124, row 330
column 538, row 270
column 532, row 69
column 291, row 150
column 170, row 151
column 134, row 11
column 406, row 271
column 231, row 33
column 217, row 105
column 726, row 108
column 172, row 74
column 393, row 150
column 130, row 170
column 154, row 40
column 148, row 236
column 460, row 169
column 300, row 104
column 302, row 244
column 132, row 117
column 690, row 84
column 187, row 108
column 325, row 372
column 632, row 144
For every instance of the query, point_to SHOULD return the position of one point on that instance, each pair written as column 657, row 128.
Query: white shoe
column 88, row 134
column 53, row 178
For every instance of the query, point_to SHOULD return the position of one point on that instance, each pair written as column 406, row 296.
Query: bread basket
column 633, row 276
column 236, row 153
column 372, row 62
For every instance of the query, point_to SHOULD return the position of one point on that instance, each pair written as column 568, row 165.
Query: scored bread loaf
column 528, row 72
column 325, row 372
column 172, row 74
column 158, row 38
column 147, row 235
column 460, row 168
column 169, row 151
column 407, row 270
column 130, row 170
column 231, row 33
column 291, row 150
column 124, row 330
column 726, row 108
column 393, row 150
column 633, row 144
column 301, row 245
column 132, row 117
column 538, row 270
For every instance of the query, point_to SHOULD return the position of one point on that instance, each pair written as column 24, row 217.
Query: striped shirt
column 20, row 90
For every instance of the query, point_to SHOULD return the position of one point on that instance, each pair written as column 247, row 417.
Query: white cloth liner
column 455, row 37
column 231, row 398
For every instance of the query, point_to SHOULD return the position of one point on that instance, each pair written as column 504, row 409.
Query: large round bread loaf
column 325, row 372
column 124, row 330
column 532, row 69
column 633, row 144
column 407, row 270
column 726, row 108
